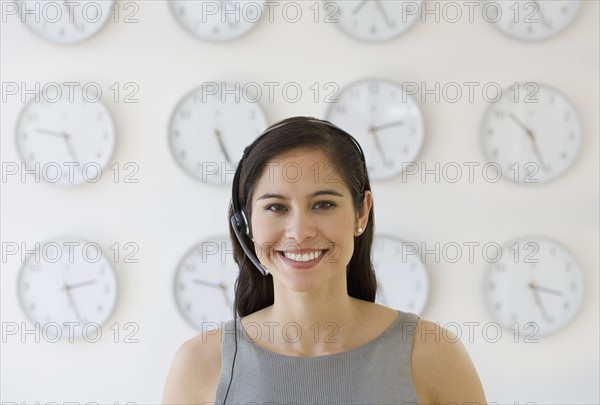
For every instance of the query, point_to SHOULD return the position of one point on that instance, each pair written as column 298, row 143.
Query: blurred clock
column 402, row 280
column 204, row 283
column 65, row 22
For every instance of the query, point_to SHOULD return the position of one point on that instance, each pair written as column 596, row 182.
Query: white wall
column 167, row 212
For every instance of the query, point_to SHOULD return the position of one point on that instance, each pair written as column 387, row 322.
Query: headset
column 239, row 219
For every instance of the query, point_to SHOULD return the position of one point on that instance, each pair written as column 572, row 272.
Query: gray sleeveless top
column 377, row 372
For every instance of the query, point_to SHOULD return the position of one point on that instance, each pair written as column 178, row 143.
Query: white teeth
column 303, row 257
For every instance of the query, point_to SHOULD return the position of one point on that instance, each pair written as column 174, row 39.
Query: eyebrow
column 315, row 194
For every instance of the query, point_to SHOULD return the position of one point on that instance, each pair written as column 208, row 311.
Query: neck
column 312, row 322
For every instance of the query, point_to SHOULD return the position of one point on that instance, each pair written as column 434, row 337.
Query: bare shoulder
column 195, row 371
column 441, row 367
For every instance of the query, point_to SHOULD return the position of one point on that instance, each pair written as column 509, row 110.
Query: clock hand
column 206, row 283
column 77, row 285
column 538, row 301
column 542, row 15
column 378, row 145
column 222, row 146
column 357, row 9
column 223, row 289
column 220, row 286
column 72, row 302
column 45, row 131
column 532, row 137
column 67, row 138
column 548, row 290
column 391, row 124
column 385, row 16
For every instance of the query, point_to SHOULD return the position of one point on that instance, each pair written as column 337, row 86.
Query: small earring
column 359, row 230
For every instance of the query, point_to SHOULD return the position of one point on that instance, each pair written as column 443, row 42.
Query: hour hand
column 48, row 132
column 532, row 138
column 222, row 145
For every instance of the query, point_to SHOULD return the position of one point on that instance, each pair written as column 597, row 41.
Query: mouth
column 302, row 258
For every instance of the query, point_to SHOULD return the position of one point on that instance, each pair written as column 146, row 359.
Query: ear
column 362, row 215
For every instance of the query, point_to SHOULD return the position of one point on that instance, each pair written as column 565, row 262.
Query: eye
column 326, row 205
column 275, row 207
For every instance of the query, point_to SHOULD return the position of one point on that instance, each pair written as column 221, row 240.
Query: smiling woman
column 302, row 228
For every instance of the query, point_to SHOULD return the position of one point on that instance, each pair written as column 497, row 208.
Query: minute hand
column 384, row 126
column 222, row 146
column 532, row 138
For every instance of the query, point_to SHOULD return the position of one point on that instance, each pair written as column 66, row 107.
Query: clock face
column 65, row 22
column 533, row 133
column 204, row 283
column 70, row 283
column 374, row 20
column 65, row 138
column 209, row 131
column 536, row 286
column 402, row 280
column 385, row 120
column 217, row 20
column 532, row 20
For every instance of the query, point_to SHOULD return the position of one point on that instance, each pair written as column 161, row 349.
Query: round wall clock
column 66, row 137
column 535, row 287
column 217, row 21
column 68, row 282
column 533, row 133
column 65, row 22
column 386, row 121
column 532, row 20
column 373, row 20
column 209, row 130
column 204, row 283
column 402, row 280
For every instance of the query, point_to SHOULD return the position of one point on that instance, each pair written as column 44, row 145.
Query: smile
column 303, row 257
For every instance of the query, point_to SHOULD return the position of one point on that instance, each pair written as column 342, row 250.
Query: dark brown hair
column 253, row 290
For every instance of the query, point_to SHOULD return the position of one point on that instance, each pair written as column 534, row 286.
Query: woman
column 310, row 333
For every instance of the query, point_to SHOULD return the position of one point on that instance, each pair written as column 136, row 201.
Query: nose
column 301, row 226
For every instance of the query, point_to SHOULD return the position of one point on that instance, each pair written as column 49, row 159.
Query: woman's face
column 303, row 220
